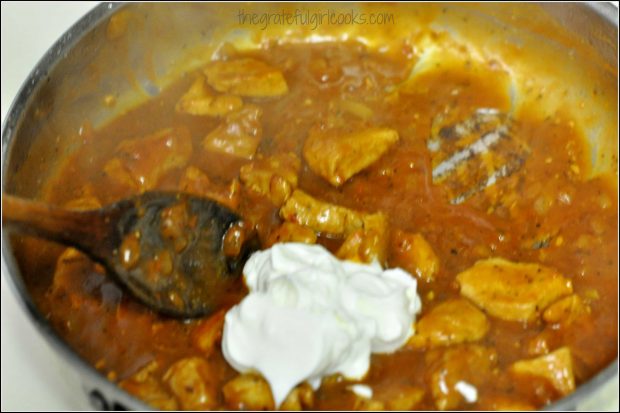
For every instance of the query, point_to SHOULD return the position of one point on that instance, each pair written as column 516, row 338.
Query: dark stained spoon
column 179, row 254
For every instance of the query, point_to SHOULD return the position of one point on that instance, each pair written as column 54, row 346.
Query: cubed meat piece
column 274, row 177
column 71, row 266
column 118, row 173
column 375, row 222
column 291, row 232
column 207, row 335
column 451, row 322
column 368, row 244
column 566, row 310
column 246, row 77
column 555, row 367
column 248, row 391
column 361, row 246
column 337, row 155
column 196, row 182
column 145, row 386
column 457, row 372
column 300, row 398
column 239, row 134
column 199, row 100
column 193, row 383
column 413, row 253
column 141, row 162
column 324, row 217
column 512, row 291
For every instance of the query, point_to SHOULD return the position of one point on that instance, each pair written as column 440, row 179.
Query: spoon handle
column 81, row 229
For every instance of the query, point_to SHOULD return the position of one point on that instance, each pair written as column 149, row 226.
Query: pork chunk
column 141, row 162
column 196, row 182
column 199, row 100
column 300, row 398
column 324, row 217
column 145, row 386
column 246, row 77
column 72, row 268
column 291, row 232
column 208, row 333
column 248, row 391
column 116, row 171
column 191, row 380
column 337, row 155
column 512, row 291
column 274, row 177
column 413, row 253
column 566, row 310
column 368, row 244
column 555, row 367
column 451, row 322
column 239, row 134
column 457, row 372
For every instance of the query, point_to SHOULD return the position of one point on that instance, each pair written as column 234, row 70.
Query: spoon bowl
column 168, row 249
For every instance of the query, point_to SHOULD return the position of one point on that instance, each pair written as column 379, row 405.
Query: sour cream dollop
column 309, row 315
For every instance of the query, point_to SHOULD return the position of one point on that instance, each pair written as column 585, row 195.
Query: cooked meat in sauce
column 334, row 144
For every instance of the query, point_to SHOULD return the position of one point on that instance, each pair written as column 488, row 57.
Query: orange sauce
column 548, row 195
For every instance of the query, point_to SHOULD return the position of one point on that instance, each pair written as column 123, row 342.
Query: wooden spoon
column 165, row 247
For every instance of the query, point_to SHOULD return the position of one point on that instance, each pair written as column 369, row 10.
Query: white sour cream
column 468, row 391
column 362, row 390
column 309, row 315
